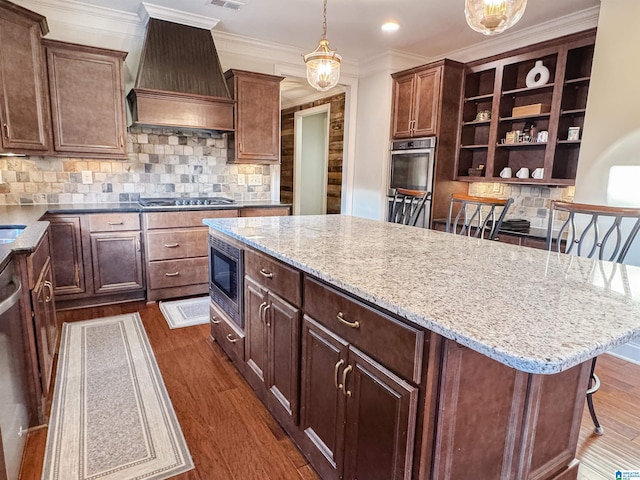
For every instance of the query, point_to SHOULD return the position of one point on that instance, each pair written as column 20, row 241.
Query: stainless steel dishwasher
column 14, row 414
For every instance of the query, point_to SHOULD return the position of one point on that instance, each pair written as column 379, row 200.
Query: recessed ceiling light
column 390, row 26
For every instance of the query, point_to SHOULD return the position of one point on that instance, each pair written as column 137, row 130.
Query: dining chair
column 478, row 217
column 407, row 205
column 593, row 231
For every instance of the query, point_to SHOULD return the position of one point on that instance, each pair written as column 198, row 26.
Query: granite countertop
column 30, row 215
column 536, row 311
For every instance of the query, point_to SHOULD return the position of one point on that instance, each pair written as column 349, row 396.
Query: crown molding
column 572, row 23
column 149, row 10
column 82, row 16
column 314, row 96
column 390, row 60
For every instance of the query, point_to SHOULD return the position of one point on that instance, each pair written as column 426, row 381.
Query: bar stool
column 407, row 205
column 478, row 217
column 604, row 238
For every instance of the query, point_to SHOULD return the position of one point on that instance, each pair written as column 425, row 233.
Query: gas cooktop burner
column 185, row 202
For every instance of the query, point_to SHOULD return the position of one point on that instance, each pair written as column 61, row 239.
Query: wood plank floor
column 232, row 437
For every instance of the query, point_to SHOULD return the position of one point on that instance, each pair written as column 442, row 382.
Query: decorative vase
column 538, row 75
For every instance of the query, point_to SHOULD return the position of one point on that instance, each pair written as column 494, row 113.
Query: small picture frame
column 510, row 137
column 574, row 133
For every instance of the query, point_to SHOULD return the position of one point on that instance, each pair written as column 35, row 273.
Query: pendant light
column 323, row 64
column 493, row 16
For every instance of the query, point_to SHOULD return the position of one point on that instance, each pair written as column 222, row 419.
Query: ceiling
column 430, row 28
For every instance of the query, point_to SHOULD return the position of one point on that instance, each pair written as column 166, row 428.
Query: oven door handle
column 414, row 151
column 13, row 298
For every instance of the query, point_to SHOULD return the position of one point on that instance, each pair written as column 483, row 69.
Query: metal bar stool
column 598, row 234
column 478, row 217
column 407, row 205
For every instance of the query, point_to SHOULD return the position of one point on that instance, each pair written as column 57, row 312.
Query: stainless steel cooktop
column 185, row 202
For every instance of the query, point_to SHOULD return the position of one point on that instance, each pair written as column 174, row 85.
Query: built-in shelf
column 521, row 144
column 477, row 122
column 473, row 147
column 569, row 142
column 478, row 98
column 529, row 90
column 577, row 80
column 577, row 111
column 524, row 117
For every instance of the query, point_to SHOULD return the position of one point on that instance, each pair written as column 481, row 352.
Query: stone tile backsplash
column 161, row 163
column 529, row 202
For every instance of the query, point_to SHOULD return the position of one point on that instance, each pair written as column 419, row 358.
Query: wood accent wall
column 336, row 149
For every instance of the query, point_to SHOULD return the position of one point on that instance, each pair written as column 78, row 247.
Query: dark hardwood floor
column 232, row 436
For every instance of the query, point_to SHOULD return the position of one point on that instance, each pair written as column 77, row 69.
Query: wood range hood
column 180, row 82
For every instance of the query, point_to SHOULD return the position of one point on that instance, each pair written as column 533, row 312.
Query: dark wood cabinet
column 499, row 85
column 24, row 110
column 359, row 416
column 68, row 265
column 45, row 324
column 272, row 346
column 256, row 138
column 416, row 96
column 87, row 99
column 109, row 253
column 97, row 258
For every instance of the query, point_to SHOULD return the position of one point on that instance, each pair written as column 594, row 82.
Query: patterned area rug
column 111, row 417
column 187, row 312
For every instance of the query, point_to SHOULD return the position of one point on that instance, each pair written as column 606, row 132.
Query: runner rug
column 186, row 312
column 111, row 417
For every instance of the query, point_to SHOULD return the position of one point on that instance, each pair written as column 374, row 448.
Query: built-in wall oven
column 412, row 164
column 226, row 278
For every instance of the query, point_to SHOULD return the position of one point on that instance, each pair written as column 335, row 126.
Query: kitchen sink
column 8, row 233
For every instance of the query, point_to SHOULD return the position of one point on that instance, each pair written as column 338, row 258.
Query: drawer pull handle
column 214, row 320
column 265, row 273
column 231, row 339
column 264, row 314
column 115, row 223
column 261, row 311
column 5, row 127
column 172, row 274
column 341, row 319
column 345, row 372
column 335, row 375
column 171, row 245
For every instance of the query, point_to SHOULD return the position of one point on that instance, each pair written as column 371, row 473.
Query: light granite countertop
column 536, row 311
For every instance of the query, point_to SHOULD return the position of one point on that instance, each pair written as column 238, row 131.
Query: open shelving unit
column 498, row 84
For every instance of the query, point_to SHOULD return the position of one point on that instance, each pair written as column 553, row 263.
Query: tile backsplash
column 529, row 201
column 161, row 163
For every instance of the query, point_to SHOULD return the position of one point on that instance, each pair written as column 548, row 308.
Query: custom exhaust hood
column 180, row 82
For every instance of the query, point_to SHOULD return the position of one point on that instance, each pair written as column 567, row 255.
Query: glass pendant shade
column 323, row 64
column 323, row 67
column 493, row 16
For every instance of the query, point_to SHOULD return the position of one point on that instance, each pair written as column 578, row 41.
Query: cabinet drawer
column 112, row 222
column 178, row 273
column 265, row 212
column 180, row 243
column 395, row 345
column 192, row 218
column 230, row 338
column 274, row 275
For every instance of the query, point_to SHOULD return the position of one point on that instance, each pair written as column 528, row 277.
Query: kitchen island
column 480, row 368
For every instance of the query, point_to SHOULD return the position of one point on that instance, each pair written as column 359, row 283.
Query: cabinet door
column 381, row 421
column 255, row 353
column 23, row 101
column 66, row 247
column 87, row 99
column 322, row 412
column 284, row 343
column 117, row 262
column 402, row 106
column 45, row 324
column 257, row 118
column 425, row 103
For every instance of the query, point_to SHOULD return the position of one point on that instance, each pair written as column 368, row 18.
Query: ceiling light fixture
column 323, row 64
column 493, row 16
column 390, row 26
